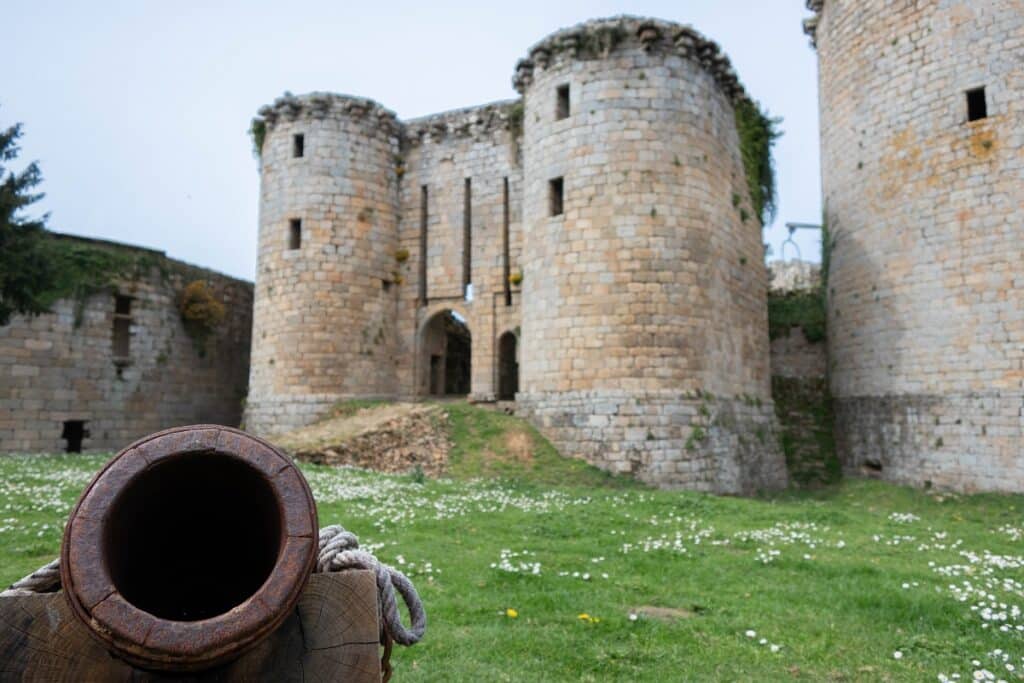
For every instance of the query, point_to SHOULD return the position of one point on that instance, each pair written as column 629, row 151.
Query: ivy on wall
column 804, row 309
column 758, row 133
column 258, row 133
column 81, row 270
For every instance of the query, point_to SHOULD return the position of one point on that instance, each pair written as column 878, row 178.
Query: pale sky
column 137, row 111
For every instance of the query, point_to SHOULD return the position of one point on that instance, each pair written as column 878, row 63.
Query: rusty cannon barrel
column 189, row 547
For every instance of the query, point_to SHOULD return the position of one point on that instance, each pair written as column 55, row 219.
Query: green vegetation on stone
column 803, row 309
column 758, row 133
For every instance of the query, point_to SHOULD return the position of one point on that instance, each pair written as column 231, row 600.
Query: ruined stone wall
column 440, row 153
column 61, row 367
column 926, row 297
column 644, row 324
column 325, row 312
column 799, row 363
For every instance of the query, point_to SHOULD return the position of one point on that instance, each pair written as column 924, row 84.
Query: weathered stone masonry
column 640, row 329
column 926, row 288
column 66, row 366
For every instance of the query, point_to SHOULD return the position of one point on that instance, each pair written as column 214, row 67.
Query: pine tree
column 26, row 272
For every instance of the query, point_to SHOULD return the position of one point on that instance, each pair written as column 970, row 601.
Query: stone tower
column 325, row 309
column 644, row 342
column 922, row 134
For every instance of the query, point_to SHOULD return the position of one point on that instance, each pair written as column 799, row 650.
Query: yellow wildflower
column 511, row 613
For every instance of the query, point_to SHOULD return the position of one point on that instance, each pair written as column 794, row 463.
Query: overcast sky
column 137, row 111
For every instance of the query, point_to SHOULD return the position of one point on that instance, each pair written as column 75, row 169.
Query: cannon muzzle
column 189, row 547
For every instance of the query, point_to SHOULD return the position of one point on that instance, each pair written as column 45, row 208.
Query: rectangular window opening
column 562, row 106
column 122, row 330
column 295, row 233
column 556, row 196
column 298, row 145
column 467, row 237
column 423, row 246
column 977, row 107
column 122, row 305
column 506, row 265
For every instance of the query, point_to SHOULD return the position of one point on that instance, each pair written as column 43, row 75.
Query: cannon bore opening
column 193, row 537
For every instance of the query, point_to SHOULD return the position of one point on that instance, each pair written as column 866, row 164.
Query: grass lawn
column 575, row 575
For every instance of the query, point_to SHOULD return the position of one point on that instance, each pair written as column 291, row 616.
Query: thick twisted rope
column 339, row 551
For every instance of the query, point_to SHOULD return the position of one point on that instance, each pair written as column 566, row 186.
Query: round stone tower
column 922, row 113
column 644, row 334
column 325, row 307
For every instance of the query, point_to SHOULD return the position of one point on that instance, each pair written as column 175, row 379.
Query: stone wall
column 926, row 299
column 647, row 289
column 800, row 380
column 61, row 366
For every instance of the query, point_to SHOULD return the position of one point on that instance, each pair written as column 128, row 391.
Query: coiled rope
column 339, row 551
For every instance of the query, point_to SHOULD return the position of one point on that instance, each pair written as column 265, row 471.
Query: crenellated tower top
column 598, row 38
column 321, row 105
column 811, row 23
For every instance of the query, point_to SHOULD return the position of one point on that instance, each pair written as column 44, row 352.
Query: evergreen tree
column 26, row 272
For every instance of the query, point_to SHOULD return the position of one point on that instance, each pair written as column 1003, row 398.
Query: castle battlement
column 599, row 38
column 468, row 122
column 322, row 105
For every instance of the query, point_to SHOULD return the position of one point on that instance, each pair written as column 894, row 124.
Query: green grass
column 839, row 614
column 490, row 444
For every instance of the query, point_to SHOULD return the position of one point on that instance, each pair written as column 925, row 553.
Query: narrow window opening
column 467, row 237
column 295, row 233
column 562, row 103
column 556, row 196
column 977, row 107
column 385, row 285
column 74, row 433
column 506, row 269
column 122, row 330
column 423, row 246
column 298, row 145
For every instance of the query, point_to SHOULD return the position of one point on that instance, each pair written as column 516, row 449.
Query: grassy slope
column 839, row 615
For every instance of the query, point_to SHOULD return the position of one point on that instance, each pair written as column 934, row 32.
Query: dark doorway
column 508, row 367
column 446, row 348
column 74, row 432
column 436, row 375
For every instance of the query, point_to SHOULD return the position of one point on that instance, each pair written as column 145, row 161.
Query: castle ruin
column 589, row 250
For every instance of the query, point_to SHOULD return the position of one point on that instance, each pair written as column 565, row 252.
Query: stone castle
column 587, row 250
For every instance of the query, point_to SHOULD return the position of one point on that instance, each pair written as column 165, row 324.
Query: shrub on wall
column 804, row 309
column 201, row 312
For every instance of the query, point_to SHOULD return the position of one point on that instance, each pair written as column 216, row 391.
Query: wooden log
column 333, row 634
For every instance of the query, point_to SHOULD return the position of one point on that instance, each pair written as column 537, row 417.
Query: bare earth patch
column 391, row 437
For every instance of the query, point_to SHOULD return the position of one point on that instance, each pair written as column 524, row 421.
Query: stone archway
column 445, row 355
column 508, row 367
